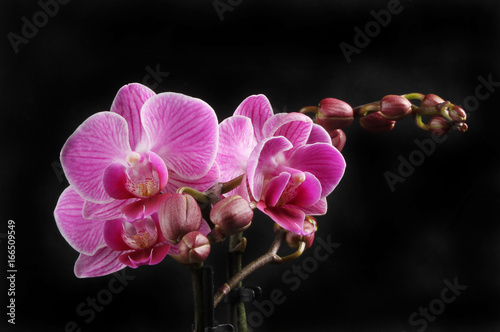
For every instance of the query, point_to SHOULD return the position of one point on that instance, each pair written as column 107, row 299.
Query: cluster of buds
column 181, row 223
column 444, row 115
column 381, row 116
column 181, row 220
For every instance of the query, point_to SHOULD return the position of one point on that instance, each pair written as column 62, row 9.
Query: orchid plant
column 157, row 176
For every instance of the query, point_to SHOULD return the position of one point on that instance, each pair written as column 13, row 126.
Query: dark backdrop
column 399, row 250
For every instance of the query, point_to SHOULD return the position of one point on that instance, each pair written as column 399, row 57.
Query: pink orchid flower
column 289, row 163
column 108, row 246
column 121, row 162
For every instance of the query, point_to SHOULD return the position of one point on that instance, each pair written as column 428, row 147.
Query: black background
column 396, row 248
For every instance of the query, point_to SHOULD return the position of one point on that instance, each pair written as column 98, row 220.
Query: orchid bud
column 431, row 100
column 376, row 123
column 310, row 227
column 338, row 138
column 462, row 127
column 231, row 215
column 457, row 113
column 179, row 215
column 193, row 248
column 439, row 126
column 334, row 114
column 393, row 107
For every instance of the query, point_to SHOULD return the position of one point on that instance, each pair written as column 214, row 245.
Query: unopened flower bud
column 431, row 100
column 376, row 123
column 338, row 138
column 393, row 107
column 462, row 127
column 334, row 114
column 179, row 215
column 193, row 248
column 457, row 113
column 231, row 215
column 439, row 126
column 310, row 227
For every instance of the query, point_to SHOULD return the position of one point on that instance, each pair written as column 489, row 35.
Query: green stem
column 309, row 109
column 369, row 108
column 420, row 123
column 230, row 185
column 199, row 196
column 296, row 254
column 363, row 110
column 237, row 311
column 197, row 281
column 414, row 95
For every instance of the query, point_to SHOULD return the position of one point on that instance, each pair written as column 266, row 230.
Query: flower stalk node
column 240, row 247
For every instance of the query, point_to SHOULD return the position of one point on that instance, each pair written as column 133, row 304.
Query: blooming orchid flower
column 121, row 162
column 289, row 163
column 108, row 246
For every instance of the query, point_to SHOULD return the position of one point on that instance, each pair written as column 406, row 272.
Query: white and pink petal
column 289, row 218
column 236, row 142
column 258, row 109
column 296, row 127
column 105, row 261
column 202, row 184
column 183, row 131
column 84, row 235
column 263, row 162
column 322, row 160
column 99, row 141
column 107, row 211
column 128, row 103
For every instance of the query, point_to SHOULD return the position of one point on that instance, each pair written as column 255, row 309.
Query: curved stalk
column 199, row 196
column 232, row 184
column 296, row 254
column 269, row 257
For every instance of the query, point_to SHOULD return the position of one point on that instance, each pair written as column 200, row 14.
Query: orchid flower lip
column 141, row 234
column 142, row 175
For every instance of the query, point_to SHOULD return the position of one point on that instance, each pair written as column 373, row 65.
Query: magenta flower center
column 143, row 180
column 140, row 234
column 290, row 190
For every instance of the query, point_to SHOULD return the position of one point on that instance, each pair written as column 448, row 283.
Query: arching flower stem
column 269, row 257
